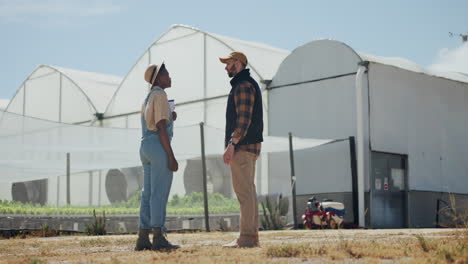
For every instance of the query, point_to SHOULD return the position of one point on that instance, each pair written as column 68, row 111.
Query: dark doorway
column 388, row 190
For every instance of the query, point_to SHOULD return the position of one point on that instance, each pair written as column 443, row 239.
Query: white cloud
column 455, row 60
column 29, row 11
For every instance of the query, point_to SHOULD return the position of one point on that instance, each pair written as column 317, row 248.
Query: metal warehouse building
column 410, row 125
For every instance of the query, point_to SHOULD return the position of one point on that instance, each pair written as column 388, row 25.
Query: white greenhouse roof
column 326, row 57
column 4, row 103
column 65, row 95
column 411, row 66
column 191, row 56
column 97, row 86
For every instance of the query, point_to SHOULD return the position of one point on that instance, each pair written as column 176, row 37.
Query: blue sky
column 108, row 36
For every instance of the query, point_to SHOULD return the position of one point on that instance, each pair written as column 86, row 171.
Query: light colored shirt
column 156, row 109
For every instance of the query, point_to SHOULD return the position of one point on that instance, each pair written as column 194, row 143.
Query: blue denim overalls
column 157, row 176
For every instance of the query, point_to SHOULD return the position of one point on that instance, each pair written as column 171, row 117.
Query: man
column 244, row 129
column 158, row 160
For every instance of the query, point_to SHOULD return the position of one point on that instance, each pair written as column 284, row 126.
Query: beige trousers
column 243, row 181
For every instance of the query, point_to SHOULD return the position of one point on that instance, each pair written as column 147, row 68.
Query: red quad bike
column 325, row 214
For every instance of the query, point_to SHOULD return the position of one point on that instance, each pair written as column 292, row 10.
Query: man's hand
column 173, row 165
column 174, row 116
column 228, row 156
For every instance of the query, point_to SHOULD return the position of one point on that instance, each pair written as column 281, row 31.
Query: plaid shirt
column 244, row 98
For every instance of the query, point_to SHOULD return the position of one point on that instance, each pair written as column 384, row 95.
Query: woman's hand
column 173, row 165
column 166, row 144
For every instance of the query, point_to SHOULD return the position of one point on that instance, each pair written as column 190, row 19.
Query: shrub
column 274, row 212
column 98, row 228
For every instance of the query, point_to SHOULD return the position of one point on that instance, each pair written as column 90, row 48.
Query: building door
column 388, row 190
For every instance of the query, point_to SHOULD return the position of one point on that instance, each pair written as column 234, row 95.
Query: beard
column 232, row 71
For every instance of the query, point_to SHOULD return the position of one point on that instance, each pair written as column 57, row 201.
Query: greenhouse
column 200, row 87
column 63, row 122
column 191, row 56
column 63, row 95
column 200, row 84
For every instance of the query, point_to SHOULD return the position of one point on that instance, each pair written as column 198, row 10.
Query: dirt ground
column 288, row 246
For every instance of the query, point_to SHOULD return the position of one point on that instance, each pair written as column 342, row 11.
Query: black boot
column 143, row 241
column 160, row 241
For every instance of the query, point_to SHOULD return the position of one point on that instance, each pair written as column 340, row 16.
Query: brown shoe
column 248, row 241
column 233, row 244
column 256, row 241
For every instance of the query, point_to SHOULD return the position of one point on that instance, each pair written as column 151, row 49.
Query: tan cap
column 235, row 55
column 152, row 72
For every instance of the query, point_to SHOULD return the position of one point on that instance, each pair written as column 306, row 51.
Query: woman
column 158, row 160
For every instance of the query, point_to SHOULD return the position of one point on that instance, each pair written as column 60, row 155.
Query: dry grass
column 316, row 246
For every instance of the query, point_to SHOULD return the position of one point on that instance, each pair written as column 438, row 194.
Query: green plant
column 98, row 227
column 274, row 212
column 35, row 261
column 44, row 229
column 191, row 204
column 132, row 202
column 175, row 200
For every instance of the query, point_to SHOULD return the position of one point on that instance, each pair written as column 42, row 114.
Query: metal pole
column 90, row 188
column 360, row 102
column 205, row 191
column 204, row 77
column 99, row 188
column 354, row 180
column 293, row 180
column 58, row 190
column 60, row 99
column 68, row 178
column 24, row 100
